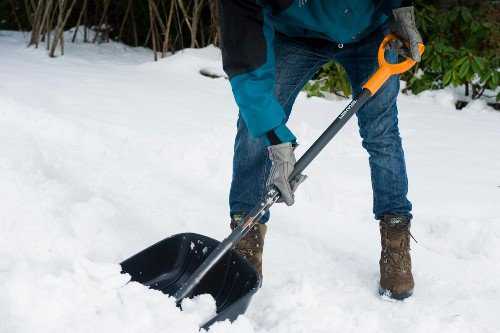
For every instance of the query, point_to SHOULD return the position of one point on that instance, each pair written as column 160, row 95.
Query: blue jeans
column 297, row 60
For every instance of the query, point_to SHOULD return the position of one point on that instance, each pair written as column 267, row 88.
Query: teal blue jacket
column 248, row 28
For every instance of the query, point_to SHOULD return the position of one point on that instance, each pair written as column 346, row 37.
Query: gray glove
column 404, row 27
column 283, row 161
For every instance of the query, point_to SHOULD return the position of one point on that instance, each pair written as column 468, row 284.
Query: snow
column 105, row 152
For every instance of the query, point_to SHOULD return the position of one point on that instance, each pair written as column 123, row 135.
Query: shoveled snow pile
column 104, row 152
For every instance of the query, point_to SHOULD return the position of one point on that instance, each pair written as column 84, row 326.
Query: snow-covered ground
column 104, row 152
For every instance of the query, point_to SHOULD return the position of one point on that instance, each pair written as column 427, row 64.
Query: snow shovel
column 186, row 265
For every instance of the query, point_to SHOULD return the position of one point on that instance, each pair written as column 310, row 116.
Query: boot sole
column 399, row 297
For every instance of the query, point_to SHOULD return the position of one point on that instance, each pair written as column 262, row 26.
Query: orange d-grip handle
column 386, row 70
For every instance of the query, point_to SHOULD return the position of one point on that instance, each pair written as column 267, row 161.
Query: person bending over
column 270, row 50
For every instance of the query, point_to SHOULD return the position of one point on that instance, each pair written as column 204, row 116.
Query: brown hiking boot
column 396, row 279
column 251, row 246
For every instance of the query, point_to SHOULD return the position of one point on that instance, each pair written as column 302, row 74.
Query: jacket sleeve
column 247, row 38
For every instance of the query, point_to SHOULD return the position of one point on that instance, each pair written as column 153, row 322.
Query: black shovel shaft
column 330, row 132
column 271, row 197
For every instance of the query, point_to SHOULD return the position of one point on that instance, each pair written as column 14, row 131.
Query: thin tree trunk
column 166, row 39
column 37, row 16
column 44, row 29
column 125, row 18
column 214, row 24
column 480, row 92
column 134, row 27
column 61, row 22
column 85, row 27
column 80, row 17
column 179, row 29
column 185, row 14
column 156, row 14
column 198, row 4
column 152, row 28
column 48, row 27
column 60, row 14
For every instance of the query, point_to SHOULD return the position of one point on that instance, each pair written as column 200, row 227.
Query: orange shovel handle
column 386, row 70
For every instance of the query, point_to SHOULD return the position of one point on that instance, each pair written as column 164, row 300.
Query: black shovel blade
column 166, row 265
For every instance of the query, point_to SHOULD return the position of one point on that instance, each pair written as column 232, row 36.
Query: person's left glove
column 283, row 161
column 405, row 28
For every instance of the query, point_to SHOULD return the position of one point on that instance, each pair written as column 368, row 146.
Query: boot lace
column 396, row 254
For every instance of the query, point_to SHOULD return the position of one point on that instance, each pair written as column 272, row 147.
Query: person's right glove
column 404, row 27
column 283, row 161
